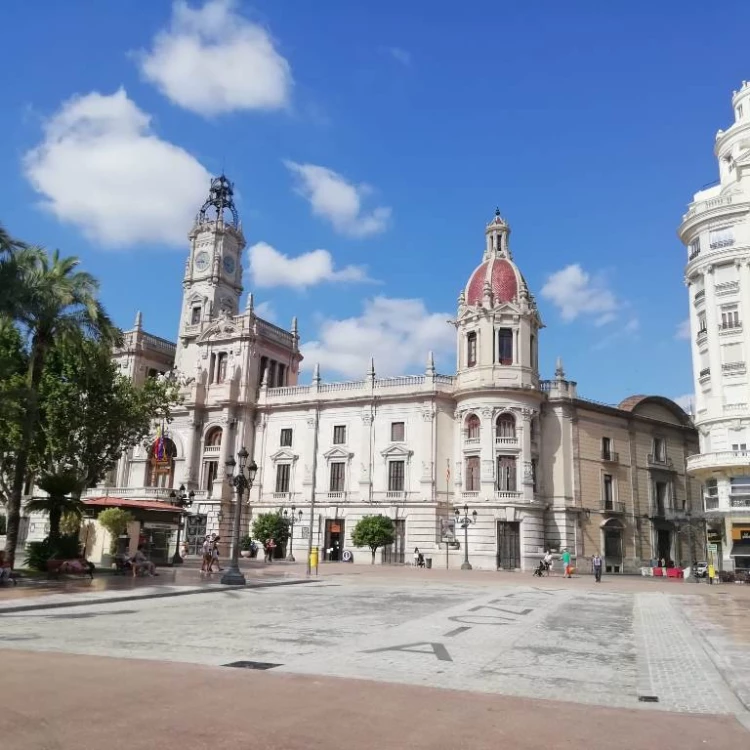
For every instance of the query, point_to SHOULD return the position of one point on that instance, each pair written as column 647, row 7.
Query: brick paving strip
column 73, row 702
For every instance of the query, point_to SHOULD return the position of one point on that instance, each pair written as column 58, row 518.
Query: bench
column 70, row 567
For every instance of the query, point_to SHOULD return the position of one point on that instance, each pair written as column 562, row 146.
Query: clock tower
column 213, row 274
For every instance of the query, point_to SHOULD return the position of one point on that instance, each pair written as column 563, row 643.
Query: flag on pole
column 159, row 447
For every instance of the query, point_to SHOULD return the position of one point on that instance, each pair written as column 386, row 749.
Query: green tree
column 63, row 492
column 90, row 413
column 56, row 304
column 115, row 521
column 373, row 532
column 13, row 365
column 268, row 525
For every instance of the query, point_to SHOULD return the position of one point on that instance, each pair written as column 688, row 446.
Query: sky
column 369, row 144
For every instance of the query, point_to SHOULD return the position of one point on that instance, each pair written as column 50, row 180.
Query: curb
column 135, row 597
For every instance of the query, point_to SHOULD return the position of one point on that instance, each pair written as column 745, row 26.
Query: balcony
column 727, row 287
column 666, row 512
column 699, row 296
column 472, row 441
column 470, row 495
column 719, row 244
column 660, row 462
column 704, row 374
column 508, row 495
column 736, row 408
column 702, row 336
column 212, row 451
column 611, row 457
column 139, row 493
column 613, row 506
column 708, row 462
column 738, row 500
column 734, row 368
column 506, row 441
column 730, row 329
column 395, row 495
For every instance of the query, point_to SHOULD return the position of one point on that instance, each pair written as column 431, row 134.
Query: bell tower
column 213, row 273
column 498, row 322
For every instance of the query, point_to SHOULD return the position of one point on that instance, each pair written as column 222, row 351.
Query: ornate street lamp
column 181, row 500
column 242, row 482
column 465, row 520
column 291, row 519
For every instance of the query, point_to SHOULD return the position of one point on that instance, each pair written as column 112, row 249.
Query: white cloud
column 211, row 60
column 629, row 331
column 400, row 55
column 576, row 293
column 687, row 402
column 101, row 167
column 683, row 330
column 339, row 201
column 272, row 268
column 398, row 333
column 266, row 311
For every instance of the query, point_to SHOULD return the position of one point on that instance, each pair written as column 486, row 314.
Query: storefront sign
column 165, row 526
column 740, row 532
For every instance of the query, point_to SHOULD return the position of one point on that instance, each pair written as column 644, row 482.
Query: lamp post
column 181, row 500
column 242, row 483
column 291, row 519
column 465, row 520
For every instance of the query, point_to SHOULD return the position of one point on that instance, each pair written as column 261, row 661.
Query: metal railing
column 613, row 506
column 660, row 461
column 610, row 456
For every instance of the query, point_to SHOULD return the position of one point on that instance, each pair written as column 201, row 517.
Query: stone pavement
column 64, row 702
column 615, row 645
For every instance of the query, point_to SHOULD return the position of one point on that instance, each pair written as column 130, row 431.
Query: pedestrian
column 596, row 564
column 416, row 557
column 566, row 563
column 270, row 548
column 215, row 555
column 548, row 562
column 206, row 555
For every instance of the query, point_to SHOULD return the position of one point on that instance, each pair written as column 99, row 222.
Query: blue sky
column 383, row 134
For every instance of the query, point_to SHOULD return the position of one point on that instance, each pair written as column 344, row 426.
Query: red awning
column 126, row 502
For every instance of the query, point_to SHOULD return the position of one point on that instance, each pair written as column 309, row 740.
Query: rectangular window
column 723, row 237
column 397, row 432
column 702, row 323
column 337, row 476
column 661, row 497
column 471, row 349
column 339, row 434
column 283, row 472
column 211, row 471
column 607, row 448
column 472, row 474
column 609, row 496
column 506, row 473
column 195, row 316
column 395, row 476
column 660, row 450
column 534, row 474
column 731, row 353
column 221, row 367
column 505, row 346
column 286, row 438
column 694, row 249
column 739, row 446
column 730, row 317
column 533, row 352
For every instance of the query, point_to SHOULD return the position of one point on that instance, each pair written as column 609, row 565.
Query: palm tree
column 57, row 304
column 62, row 498
column 12, row 252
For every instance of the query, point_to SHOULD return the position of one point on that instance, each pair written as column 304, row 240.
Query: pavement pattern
column 624, row 646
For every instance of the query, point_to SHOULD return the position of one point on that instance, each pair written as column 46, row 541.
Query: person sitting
column 78, row 566
column 140, row 563
column 6, row 574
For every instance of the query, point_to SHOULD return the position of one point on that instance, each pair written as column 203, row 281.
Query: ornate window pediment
column 397, row 451
column 337, row 453
column 224, row 328
column 284, row 455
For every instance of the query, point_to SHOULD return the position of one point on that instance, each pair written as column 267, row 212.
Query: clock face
column 201, row 261
column 229, row 264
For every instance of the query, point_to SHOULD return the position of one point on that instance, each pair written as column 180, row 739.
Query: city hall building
column 536, row 466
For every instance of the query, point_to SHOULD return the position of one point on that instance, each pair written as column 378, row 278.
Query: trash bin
column 428, row 562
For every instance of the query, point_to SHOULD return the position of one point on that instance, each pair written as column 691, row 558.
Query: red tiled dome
column 502, row 277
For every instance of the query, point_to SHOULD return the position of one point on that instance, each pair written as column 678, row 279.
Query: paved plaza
column 639, row 645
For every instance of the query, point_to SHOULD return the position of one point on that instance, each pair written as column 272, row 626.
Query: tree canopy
column 373, row 532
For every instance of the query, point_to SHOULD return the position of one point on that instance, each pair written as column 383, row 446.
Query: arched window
column 213, row 437
column 506, row 426
column 161, row 463
column 472, row 427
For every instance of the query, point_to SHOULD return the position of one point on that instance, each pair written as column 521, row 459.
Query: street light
column 291, row 520
column 241, row 483
column 181, row 500
column 465, row 520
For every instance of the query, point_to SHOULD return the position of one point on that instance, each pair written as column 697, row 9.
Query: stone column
column 712, row 324
column 526, row 477
column 365, row 467
column 487, row 454
column 428, row 490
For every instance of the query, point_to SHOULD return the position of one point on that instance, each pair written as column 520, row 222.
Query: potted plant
column 246, row 546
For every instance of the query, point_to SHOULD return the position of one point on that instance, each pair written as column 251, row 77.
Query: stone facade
column 525, row 454
column 716, row 232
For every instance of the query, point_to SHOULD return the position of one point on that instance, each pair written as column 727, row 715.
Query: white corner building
column 716, row 232
column 540, row 467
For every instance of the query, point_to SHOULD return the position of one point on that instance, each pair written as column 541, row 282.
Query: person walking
column 416, row 557
column 206, row 549
column 566, row 563
column 596, row 564
column 548, row 562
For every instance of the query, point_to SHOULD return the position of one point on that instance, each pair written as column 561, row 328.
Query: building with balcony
column 716, row 233
column 542, row 467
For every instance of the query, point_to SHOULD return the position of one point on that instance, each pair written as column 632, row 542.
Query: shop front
column 741, row 547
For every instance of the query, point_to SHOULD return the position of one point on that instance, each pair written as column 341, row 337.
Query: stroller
column 540, row 569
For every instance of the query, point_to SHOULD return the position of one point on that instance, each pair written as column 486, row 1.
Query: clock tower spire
column 213, row 274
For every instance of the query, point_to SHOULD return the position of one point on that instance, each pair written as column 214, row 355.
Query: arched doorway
column 613, row 545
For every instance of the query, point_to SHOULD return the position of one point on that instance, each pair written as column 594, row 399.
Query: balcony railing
column 702, row 336
column 395, row 495
column 718, row 244
column 733, row 367
column 507, row 495
column 472, row 441
column 336, row 495
column 718, row 460
column 727, row 287
column 739, row 501
column 611, row 457
column 212, row 450
column 506, row 440
column 699, row 296
column 704, row 373
column 693, row 253
column 734, row 408
column 665, row 511
column 470, row 494
column 728, row 329
column 138, row 493
column 613, row 506
column 660, row 462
